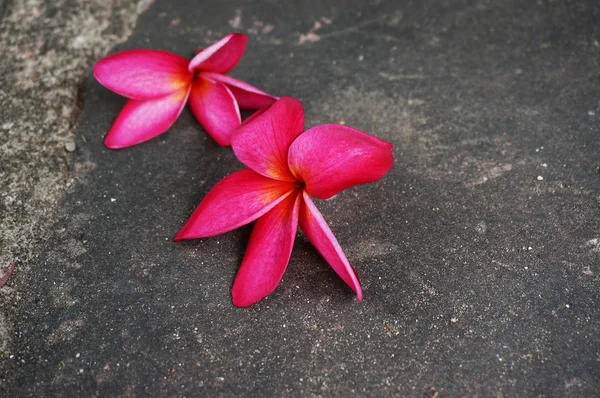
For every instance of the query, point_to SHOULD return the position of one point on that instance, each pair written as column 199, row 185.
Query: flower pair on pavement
column 286, row 165
column 160, row 83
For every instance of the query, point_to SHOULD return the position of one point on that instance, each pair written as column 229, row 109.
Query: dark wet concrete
column 479, row 253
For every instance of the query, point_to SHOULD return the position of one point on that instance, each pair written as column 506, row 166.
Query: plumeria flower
column 159, row 84
column 286, row 167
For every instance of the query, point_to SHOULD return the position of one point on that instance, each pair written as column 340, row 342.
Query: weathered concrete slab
column 479, row 253
column 47, row 49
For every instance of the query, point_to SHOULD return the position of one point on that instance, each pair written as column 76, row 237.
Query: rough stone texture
column 480, row 277
column 47, row 50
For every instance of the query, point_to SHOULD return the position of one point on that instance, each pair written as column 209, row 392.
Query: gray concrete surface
column 47, row 50
column 479, row 253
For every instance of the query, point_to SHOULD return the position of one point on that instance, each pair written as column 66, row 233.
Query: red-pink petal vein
column 215, row 108
column 236, row 200
column 143, row 74
column 318, row 232
column 222, row 56
column 140, row 121
column 268, row 253
column 330, row 158
column 262, row 143
column 247, row 96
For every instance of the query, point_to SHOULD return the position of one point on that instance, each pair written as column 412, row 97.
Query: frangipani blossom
column 159, row 84
column 286, row 166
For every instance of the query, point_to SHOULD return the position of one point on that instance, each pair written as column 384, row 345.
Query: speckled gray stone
column 47, row 50
column 478, row 277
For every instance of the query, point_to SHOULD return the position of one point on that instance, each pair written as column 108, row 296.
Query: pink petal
column 262, row 144
column 222, row 56
column 236, row 200
column 143, row 74
column 215, row 108
column 268, row 253
column 316, row 229
column 247, row 96
column 330, row 158
column 140, row 121
column 254, row 115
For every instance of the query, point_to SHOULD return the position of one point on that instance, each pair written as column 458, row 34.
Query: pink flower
column 159, row 84
column 286, row 166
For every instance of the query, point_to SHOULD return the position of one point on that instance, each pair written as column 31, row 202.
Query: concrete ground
column 479, row 253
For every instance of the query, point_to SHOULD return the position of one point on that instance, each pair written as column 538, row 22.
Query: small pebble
column 70, row 146
column 113, row 200
column 540, row 178
column 361, row 58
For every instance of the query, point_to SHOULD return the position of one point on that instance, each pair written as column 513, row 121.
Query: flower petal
column 317, row 231
column 140, row 121
column 236, row 200
column 248, row 97
column 331, row 158
column 268, row 253
column 262, row 143
column 143, row 74
column 215, row 108
column 254, row 115
column 222, row 56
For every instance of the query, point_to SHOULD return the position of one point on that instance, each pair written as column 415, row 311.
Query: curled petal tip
column 221, row 56
column 247, row 96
